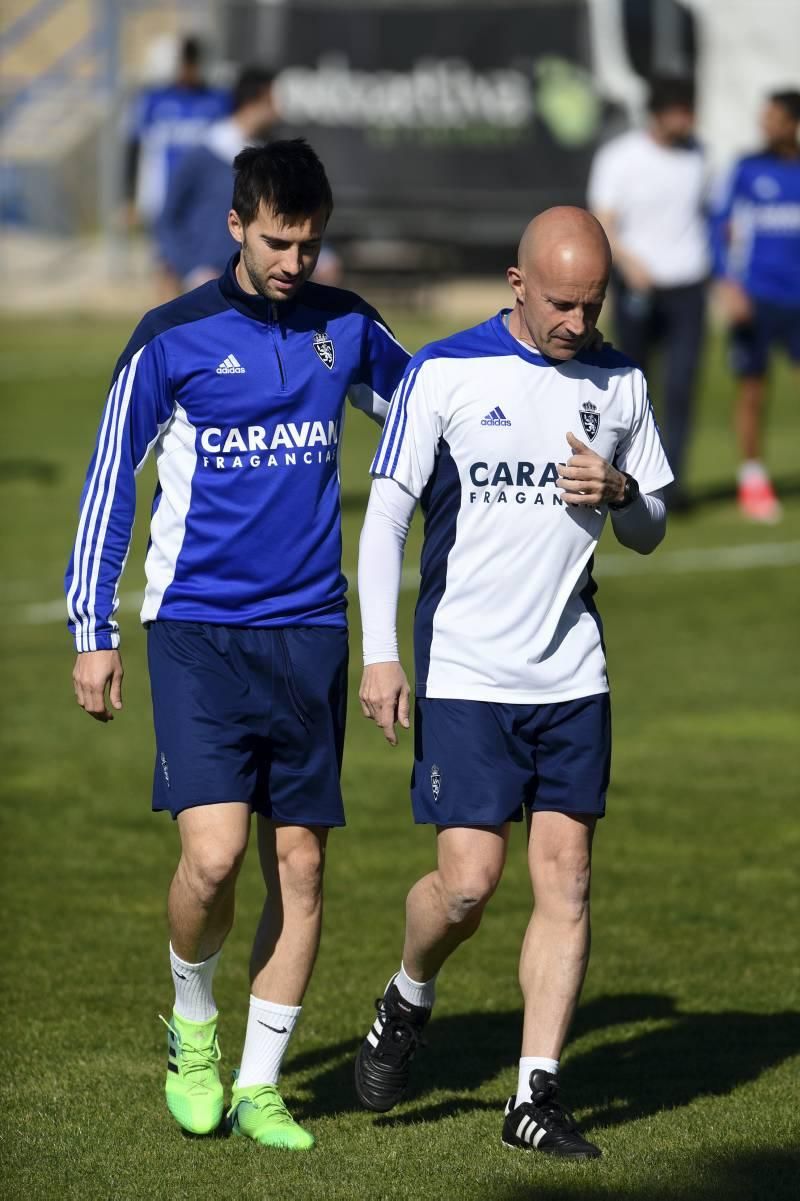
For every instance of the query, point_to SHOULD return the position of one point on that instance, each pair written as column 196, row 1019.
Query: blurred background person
column 647, row 187
column 192, row 232
column 164, row 122
column 756, row 243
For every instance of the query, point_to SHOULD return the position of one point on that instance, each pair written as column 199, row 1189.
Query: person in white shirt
column 517, row 440
column 648, row 188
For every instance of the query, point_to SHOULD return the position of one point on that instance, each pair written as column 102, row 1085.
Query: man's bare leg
column 756, row 495
column 287, row 939
column 444, row 908
column 555, row 951
column 285, row 946
column 202, row 893
column 749, row 417
column 555, row 954
column 201, row 906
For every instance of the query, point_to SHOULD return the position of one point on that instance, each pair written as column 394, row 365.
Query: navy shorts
column 478, row 763
column 751, row 341
column 252, row 715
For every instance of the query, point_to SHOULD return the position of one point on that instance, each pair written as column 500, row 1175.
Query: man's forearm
column 380, row 567
column 643, row 524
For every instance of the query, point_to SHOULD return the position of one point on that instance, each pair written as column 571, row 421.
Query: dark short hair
column 286, row 175
column 670, row 91
column 790, row 100
column 191, row 51
column 250, row 85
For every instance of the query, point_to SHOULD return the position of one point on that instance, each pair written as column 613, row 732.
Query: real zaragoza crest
column 590, row 419
column 324, row 348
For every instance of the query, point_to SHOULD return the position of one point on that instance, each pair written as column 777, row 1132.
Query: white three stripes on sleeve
column 394, row 431
column 82, row 596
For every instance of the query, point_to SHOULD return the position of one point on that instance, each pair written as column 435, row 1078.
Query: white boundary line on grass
column 668, row 562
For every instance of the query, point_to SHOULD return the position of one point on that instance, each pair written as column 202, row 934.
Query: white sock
column 752, row 469
column 269, row 1028
column 414, row 992
column 528, row 1064
column 194, row 1000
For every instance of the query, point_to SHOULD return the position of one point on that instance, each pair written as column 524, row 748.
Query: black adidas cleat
column 543, row 1124
column 384, row 1058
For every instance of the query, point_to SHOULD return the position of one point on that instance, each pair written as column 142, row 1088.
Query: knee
column 466, row 893
column 212, row 869
column 563, row 881
column 301, row 869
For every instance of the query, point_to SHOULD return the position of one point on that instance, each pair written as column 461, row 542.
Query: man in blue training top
column 239, row 386
column 756, row 239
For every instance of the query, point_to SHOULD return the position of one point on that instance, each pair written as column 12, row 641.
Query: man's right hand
column 384, row 696
column 734, row 301
column 634, row 272
column 94, row 671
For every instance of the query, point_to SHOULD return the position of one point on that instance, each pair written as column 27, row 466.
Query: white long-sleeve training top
column 475, row 433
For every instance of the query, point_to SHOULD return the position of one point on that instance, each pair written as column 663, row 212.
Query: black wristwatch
column 630, row 494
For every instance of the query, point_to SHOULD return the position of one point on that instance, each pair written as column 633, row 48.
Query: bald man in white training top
column 518, row 440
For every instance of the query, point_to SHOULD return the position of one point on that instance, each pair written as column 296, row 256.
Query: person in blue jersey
column 163, row 123
column 193, row 236
column 517, row 439
column 756, row 242
column 239, row 389
column 192, row 230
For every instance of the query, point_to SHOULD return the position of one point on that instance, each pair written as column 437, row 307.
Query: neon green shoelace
column 269, row 1102
column 195, row 1061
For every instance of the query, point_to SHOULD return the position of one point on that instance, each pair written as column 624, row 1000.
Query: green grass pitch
column 681, row 1060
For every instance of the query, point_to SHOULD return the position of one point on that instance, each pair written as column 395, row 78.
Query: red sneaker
column 758, row 502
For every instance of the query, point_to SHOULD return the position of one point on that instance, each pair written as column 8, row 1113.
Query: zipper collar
column 252, row 305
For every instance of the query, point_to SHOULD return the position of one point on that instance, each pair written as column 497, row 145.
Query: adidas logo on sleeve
column 230, row 366
column 496, row 417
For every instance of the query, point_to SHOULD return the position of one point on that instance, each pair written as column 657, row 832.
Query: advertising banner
column 446, row 123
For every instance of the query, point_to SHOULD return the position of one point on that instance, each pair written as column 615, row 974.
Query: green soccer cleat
column 193, row 1088
column 258, row 1112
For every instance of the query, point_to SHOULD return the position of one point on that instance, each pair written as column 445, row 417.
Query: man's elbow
column 653, row 542
column 643, row 544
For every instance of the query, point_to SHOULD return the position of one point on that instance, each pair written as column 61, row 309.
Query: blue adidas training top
column 755, row 228
column 242, row 402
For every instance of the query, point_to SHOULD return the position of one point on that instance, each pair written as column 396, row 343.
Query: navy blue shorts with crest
column 480, row 763
column 252, row 715
column 751, row 341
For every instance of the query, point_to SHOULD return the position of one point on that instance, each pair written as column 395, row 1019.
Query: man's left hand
column 587, row 479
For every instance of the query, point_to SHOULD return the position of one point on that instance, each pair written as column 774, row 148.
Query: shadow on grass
column 639, row 1073
column 755, row 1176
column 37, row 471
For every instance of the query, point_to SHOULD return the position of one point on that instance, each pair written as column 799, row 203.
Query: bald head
column 563, row 265
column 565, row 237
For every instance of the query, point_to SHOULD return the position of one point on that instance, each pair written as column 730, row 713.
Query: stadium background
column 684, row 1060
